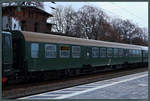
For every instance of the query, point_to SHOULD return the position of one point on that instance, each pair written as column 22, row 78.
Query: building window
column 76, row 51
column 64, row 52
column 34, row 50
column 95, row 52
column 102, row 52
column 36, row 27
column 24, row 13
column 23, row 25
column 50, row 51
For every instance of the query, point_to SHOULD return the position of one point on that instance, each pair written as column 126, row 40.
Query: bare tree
column 58, row 19
column 89, row 22
column 92, row 23
column 129, row 32
column 145, row 34
column 64, row 20
column 85, row 23
column 69, row 20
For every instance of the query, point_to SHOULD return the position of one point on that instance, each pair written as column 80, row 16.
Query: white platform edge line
column 99, row 87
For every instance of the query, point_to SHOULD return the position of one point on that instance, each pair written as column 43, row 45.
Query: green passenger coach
column 31, row 54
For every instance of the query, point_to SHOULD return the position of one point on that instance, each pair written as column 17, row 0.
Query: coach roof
column 40, row 37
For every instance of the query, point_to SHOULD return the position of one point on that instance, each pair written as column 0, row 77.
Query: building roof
column 33, row 7
column 40, row 37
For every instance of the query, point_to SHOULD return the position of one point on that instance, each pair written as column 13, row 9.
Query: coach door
column 7, row 56
column 88, row 53
column 18, row 51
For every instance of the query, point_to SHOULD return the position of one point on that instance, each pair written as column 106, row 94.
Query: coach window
column 140, row 53
column 50, row 51
column 34, row 50
column 121, row 52
column 146, row 53
column 126, row 52
column 95, row 52
column 134, row 53
column 64, row 52
column 130, row 53
column 116, row 52
column 109, row 52
column 76, row 51
column 102, row 52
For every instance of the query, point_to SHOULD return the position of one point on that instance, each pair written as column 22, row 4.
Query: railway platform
column 133, row 86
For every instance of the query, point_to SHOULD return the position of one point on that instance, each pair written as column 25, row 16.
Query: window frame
column 109, row 52
column 121, row 50
column 114, row 52
column 75, row 56
column 102, row 50
column 31, row 50
column 54, row 51
column 60, row 51
column 95, row 55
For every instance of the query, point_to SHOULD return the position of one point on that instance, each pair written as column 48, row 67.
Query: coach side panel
column 51, row 56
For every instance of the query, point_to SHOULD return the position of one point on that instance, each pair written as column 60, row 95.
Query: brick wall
column 31, row 19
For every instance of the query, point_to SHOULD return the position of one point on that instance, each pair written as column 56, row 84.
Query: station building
column 27, row 18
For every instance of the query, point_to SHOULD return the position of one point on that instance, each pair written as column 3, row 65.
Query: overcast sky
column 137, row 12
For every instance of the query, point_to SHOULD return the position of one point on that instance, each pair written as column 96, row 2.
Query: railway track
column 20, row 90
